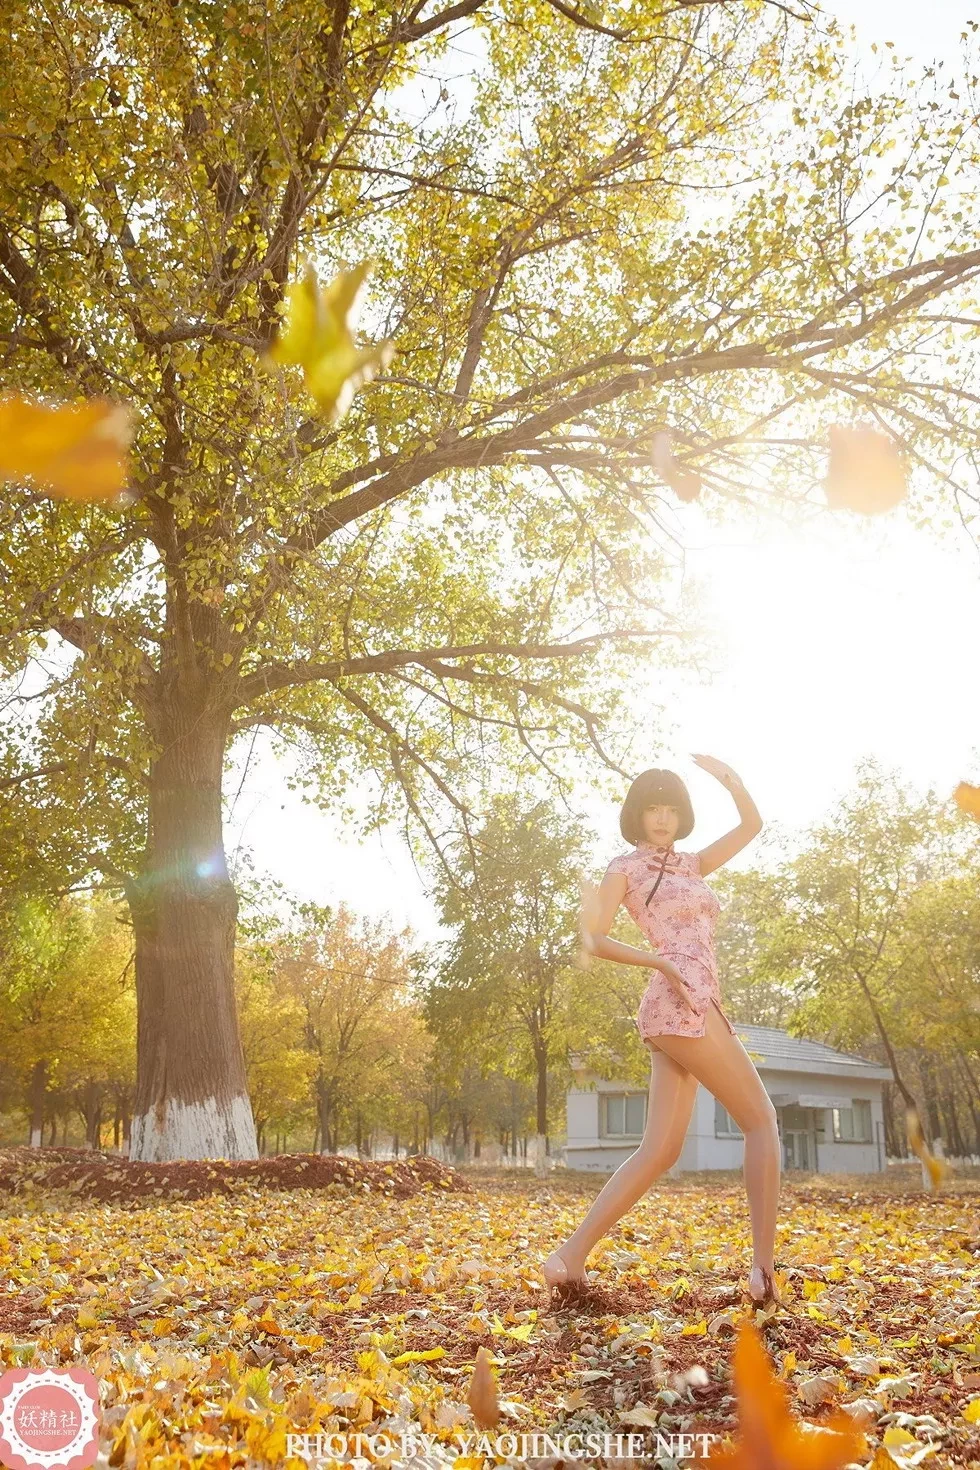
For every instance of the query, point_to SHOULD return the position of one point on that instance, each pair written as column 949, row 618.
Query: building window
column 624, row 1114
column 853, row 1124
column 725, row 1125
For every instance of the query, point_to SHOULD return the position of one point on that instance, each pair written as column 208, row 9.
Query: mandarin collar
column 656, row 846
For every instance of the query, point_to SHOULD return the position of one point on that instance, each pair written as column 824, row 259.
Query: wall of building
column 584, row 1149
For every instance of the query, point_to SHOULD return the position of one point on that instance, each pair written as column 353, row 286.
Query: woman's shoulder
column 621, row 863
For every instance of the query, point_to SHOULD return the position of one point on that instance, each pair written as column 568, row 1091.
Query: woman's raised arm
column 750, row 826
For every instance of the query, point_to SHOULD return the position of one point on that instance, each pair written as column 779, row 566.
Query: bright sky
column 849, row 639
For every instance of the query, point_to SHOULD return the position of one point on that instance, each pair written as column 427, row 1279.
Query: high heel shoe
column 769, row 1293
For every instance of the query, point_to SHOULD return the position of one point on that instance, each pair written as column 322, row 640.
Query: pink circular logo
column 49, row 1419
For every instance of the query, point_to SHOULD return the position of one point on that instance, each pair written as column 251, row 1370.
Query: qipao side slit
column 679, row 923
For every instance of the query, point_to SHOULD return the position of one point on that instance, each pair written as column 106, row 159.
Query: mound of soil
column 107, row 1177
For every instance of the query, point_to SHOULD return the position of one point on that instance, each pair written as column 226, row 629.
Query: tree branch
column 782, row 353
column 285, row 675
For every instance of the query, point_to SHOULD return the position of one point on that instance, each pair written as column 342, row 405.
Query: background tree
column 278, row 1063
column 510, row 962
column 352, row 979
column 866, row 936
column 757, row 944
column 466, row 568
column 66, row 995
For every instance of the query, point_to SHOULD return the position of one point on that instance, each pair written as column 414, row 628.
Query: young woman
column 680, row 1018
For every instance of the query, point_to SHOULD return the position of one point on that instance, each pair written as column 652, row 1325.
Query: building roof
column 774, row 1050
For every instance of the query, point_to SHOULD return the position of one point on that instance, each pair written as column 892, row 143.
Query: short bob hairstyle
column 649, row 789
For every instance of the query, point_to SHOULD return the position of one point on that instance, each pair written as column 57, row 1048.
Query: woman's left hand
column 718, row 769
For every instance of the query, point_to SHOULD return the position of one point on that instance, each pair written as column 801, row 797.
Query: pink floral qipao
column 679, row 923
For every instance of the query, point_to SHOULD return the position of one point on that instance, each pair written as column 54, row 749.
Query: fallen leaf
column 904, row 1448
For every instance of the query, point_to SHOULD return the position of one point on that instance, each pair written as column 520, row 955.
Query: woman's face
column 660, row 823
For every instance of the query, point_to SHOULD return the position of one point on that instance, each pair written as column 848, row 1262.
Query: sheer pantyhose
column 678, row 1063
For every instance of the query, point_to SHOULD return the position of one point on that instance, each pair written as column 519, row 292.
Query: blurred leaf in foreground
column 317, row 336
column 685, row 484
column 937, row 1168
column 770, row 1436
column 967, row 798
column 866, row 472
column 76, row 451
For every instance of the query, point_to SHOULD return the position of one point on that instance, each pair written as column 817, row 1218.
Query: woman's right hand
column 677, row 981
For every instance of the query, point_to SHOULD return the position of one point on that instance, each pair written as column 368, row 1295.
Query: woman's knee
column 760, row 1117
column 658, row 1154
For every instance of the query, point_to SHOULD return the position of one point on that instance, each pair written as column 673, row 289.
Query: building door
column 796, row 1149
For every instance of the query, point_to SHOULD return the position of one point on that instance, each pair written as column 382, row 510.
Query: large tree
column 623, row 218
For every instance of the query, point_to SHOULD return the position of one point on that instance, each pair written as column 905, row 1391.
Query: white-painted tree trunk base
column 540, row 1156
column 204, row 1130
column 35, row 1138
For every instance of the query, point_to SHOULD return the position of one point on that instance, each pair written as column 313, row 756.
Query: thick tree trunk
column 191, row 1095
column 38, row 1088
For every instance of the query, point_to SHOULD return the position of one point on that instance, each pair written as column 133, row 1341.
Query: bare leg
column 719, row 1060
column 669, row 1106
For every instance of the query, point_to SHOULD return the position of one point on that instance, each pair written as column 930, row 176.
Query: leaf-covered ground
column 218, row 1323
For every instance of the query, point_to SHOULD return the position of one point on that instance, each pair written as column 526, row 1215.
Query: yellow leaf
column 317, row 336
column 937, row 1169
column 972, row 1412
column 428, row 1356
column 522, row 1333
column 86, row 1318
column 76, row 451
column 967, row 798
column 695, row 1329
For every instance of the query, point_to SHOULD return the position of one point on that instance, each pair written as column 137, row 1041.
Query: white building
column 828, row 1104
